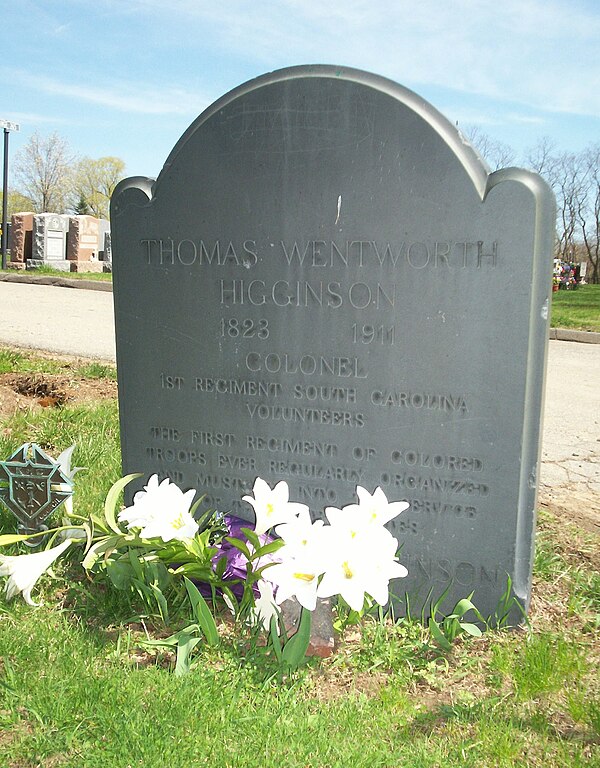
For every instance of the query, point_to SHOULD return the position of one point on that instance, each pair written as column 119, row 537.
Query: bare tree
column 567, row 174
column 588, row 211
column 497, row 154
column 570, row 191
column 543, row 159
column 43, row 171
column 95, row 181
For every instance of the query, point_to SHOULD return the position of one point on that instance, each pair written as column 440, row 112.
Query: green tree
column 95, row 181
column 81, row 208
column 16, row 203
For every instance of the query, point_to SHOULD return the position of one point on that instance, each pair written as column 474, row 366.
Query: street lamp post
column 8, row 127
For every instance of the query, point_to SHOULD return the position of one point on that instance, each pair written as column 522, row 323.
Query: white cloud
column 541, row 53
column 126, row 97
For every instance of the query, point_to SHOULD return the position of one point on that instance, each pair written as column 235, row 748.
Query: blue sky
column 127, row 77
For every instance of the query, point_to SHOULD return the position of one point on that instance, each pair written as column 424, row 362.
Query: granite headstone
column 326, row 285
column 83, row 244
column 50, row 241
column 21, row 239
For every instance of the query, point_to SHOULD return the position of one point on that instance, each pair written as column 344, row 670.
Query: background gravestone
column 21, row 239
column 50, row 241
column 83, row 244
column 325, row 285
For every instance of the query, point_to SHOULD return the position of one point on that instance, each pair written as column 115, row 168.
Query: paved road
column 64, row 320
column 80, row 322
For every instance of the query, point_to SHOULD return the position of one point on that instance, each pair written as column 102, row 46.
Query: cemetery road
column 81, row 323
column 63, row 320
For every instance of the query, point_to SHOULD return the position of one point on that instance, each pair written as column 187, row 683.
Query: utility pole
column 8, row 127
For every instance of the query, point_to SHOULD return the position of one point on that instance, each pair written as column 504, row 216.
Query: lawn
column 105, row 277
column 77, row 690
column 579, row 309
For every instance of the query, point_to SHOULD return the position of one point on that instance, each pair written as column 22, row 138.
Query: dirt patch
column 575, row 503
column 21, row 391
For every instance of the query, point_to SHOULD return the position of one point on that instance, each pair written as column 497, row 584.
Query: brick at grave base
column 87, row 266
column 322, row 641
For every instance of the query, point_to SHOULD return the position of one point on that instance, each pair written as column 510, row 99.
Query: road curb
column 584, row 337
column 560, row 334
column 61, row 282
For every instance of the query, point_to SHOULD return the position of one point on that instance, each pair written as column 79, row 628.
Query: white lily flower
column 295, row 578
column 25, row 570
column 272, row 506
column 64, row 462
column 303, row 540
column 265, row 607
column 161, row 510
column 372, row 509
column 361, row 563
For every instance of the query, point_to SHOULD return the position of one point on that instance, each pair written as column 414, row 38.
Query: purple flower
column 235, row 561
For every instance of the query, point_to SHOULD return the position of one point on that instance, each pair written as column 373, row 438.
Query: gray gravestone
column 325, row 285
column 50, row 241
column 107, row 252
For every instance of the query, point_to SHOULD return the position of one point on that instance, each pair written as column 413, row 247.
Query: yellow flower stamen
column 270, row 509
column 308, row 577
column 347, row 572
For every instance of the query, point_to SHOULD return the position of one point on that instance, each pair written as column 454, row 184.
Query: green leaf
column 136, row 565
column 295, row 649
column 232, row 598
column 89, row 535
column 267, row 549
column 275, row 639
column 196, row 571
column 161, row 602
column 120, row 574
column 185, row 646
column 471, row 629
column 239, row 544
column 99, row 548
column 220, row 567
column 436, row 606
column 172, row 641
column 112, row 498
column 463, row 606
column 438, row 636
column 195, row 505
column 202, row 613
column 252, row 537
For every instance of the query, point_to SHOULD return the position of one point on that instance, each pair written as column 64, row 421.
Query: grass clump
column 21, row 361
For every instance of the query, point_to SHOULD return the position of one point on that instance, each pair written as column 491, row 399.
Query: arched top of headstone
column 257, row 105
column 474, row 165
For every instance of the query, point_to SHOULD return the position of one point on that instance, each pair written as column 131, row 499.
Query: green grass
column 579, row 309
column 49, row 271
column 77, row 690
column 19, row 361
